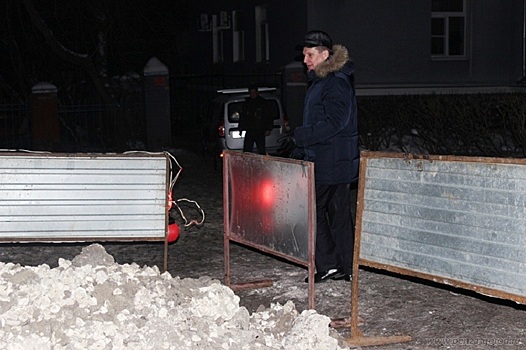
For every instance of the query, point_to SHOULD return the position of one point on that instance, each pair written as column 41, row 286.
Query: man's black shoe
column 333, row 274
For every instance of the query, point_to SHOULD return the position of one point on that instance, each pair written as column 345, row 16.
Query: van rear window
column 234, row 109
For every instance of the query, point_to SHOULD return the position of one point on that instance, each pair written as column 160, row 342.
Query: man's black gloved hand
column 297, row 153
column 287, row 144
column 288, row 147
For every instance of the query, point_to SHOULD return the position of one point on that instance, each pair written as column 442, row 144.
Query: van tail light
column 286, row 123
column 221, row 129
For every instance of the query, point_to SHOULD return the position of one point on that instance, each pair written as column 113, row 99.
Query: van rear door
column 233, row 137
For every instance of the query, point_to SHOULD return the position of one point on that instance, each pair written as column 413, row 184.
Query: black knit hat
column 316, row 38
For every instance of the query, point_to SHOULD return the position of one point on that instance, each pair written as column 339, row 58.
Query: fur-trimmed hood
column 334, row 63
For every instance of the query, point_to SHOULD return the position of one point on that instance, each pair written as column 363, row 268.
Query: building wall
column 389, row 41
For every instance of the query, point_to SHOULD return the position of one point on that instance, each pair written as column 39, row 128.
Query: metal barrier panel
column 454, row 220
column 269, row 203
column 80, row 197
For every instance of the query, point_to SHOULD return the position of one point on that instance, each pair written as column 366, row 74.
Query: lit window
column 217, row 41
column 238, row 36
column 448, row 28
column 262, row 38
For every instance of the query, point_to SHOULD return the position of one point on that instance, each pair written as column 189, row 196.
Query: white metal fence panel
column 49, row 197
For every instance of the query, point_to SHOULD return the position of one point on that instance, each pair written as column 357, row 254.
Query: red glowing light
column 267, row 193
column 170, row 202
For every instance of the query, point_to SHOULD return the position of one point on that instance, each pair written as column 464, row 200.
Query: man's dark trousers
column 258, row 138
column 334, row 228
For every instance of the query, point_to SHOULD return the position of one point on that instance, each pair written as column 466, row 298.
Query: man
column 256, row 120
column 329, row 138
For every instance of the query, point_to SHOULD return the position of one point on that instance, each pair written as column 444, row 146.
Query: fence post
column 45, row 122
column 294, row 87
column 157, row 105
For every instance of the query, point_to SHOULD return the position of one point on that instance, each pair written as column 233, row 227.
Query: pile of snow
column 92, row 302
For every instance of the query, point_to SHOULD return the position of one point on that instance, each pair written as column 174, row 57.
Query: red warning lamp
column 266, row 194
column 173, row 232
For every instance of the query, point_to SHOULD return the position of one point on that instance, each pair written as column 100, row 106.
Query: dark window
column 447, row 6
column 448, row 28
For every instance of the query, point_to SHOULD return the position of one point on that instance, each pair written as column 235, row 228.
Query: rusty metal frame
column 357, row 338
column 311, row 207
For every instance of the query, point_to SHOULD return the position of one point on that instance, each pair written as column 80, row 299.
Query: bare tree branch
column 82, row 60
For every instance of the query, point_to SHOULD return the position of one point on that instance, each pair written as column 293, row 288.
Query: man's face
column 312, row 56
column 253, row 93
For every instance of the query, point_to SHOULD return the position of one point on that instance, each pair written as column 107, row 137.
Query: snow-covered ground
column 91, row 302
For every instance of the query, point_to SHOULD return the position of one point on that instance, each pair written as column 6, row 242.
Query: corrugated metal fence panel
column 52, row 196
column 461, row 220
